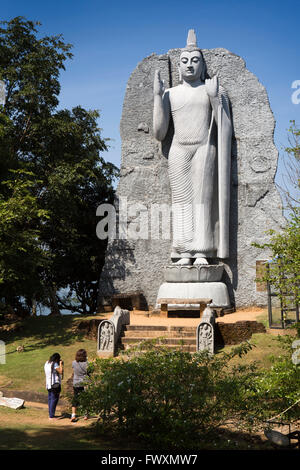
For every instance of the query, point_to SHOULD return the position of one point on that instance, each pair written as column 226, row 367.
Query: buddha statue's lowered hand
column 212, row 86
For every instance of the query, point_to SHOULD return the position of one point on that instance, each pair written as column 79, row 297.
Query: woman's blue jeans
column 53, row 396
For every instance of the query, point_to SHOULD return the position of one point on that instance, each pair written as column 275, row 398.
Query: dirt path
column 140, row 318
column 29, row 429
column 35, row 413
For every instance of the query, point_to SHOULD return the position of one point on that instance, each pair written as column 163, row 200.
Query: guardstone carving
column 205, row 332
column 109, row 332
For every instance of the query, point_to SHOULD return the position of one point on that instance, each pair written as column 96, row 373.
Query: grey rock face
column 139, row 265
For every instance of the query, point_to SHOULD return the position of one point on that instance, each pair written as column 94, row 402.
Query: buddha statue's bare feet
column 200, row 261
column 184, row 262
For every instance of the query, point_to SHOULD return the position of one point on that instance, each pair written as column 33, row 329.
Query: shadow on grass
column 72, row 436
column 220, row 439
column 45, row 331
column 56, row 437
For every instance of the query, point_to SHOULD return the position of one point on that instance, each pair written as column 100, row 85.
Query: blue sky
column 110, row 38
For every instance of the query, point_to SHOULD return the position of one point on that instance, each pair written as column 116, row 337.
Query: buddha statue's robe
column 199, row 172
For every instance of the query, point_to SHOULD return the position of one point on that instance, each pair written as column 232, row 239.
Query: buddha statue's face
column 190, row 65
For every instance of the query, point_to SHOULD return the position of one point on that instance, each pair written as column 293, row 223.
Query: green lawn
column 41, row 337
column 265, row 346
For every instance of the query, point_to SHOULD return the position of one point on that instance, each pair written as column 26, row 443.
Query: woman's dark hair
column 81, row 355
column 55, row 358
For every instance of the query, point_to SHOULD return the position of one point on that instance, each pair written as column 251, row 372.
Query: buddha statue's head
column 191, row 62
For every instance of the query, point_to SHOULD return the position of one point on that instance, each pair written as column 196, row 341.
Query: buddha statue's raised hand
column 158, row 87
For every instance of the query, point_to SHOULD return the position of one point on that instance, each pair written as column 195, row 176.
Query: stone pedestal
column 198, row 273
column 194, row 282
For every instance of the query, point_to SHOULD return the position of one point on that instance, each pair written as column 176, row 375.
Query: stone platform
column 217, row 291
column 193, row 282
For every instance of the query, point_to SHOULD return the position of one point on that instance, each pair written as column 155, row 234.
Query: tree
column 22, row 256
column 75, row 188
column 60, row 152
column 284, row 269
column 290, row 187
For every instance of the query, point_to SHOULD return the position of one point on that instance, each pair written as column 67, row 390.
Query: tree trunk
column 54, row 309
column 34, row 307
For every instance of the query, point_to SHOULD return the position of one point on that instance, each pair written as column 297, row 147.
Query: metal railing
column 287, row 304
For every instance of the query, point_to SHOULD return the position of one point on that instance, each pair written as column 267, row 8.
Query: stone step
column 171, row 337
column 160, row 328
column 181, row 347
column 146, row 327
column 154, row 333
column 174, row 341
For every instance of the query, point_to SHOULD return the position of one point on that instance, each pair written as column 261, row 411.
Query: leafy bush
column 172, row 399
column 278, row 387
column 283, row 271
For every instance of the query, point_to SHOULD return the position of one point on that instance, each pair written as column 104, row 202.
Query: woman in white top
column 53, row 372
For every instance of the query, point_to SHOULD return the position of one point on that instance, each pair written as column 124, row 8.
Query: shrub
column 278, row 387
column 172, row 399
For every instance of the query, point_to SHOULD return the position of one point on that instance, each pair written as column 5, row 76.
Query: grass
column 265, row 346
column 41, row 337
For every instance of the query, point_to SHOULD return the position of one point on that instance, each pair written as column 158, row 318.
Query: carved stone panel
column 106, row 337
column 205, row 337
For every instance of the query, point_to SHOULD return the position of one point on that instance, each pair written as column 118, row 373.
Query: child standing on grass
column 79, row 366
column 53, row 372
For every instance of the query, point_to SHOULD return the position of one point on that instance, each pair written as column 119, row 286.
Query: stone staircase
column 173, row 337
column 184, row 337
